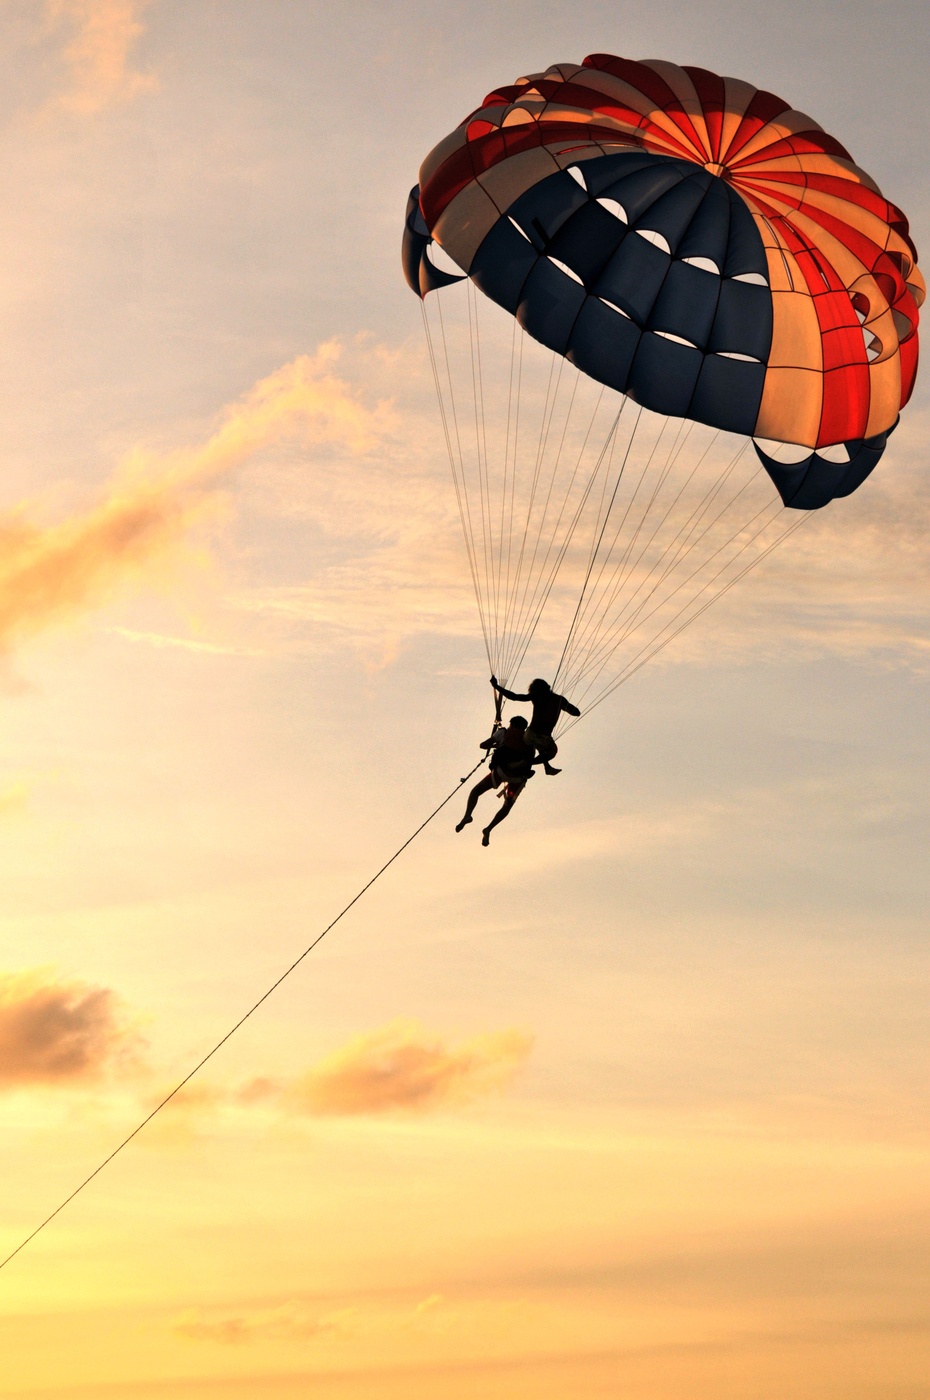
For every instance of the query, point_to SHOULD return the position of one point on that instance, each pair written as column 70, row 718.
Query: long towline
column 242, row 1019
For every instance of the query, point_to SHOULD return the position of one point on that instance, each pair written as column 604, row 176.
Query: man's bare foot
column 486, row 836
column 548, row 768
column 464, row 822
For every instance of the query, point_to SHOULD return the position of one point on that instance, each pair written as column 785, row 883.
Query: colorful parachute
column 691, row 242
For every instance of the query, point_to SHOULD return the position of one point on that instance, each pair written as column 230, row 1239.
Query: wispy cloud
column 861, row 803
column 397, row 1068
column 289, row 1321
column 854, row 579
column 49, row 574
column 56, row 1032
column 347, row 450
column 297, row 1321
column 99, row 53
column 402, row 1067
column 162, row 642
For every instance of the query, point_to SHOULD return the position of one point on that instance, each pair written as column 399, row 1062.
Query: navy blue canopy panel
column 421, row 274
column 815, row 481
column 649, row 274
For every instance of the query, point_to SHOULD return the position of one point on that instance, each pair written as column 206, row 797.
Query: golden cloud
column 49, row 574
column 98, row 57
column 286, row 1322
column 398, row 1068
column 56, row 1032
column 296, row 1321
column 402, row 1067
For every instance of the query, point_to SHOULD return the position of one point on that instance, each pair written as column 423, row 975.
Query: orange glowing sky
column 633, row 1104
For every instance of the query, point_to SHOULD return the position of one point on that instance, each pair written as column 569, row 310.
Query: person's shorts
column 514, row 785
column 544, row 744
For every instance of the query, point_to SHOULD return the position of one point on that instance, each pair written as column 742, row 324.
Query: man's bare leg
column 547, row 754
column 505, row 811
column 484, row 786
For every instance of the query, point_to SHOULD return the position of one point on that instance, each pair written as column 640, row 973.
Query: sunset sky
column 633, row 1104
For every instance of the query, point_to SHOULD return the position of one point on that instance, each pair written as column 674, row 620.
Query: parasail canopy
column 689, row 241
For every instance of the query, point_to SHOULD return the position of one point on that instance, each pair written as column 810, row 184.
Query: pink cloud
column 98, row 56
column 49, row 574
column 403, row 1067
column 57, row 1032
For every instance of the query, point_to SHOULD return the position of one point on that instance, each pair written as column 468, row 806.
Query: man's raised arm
column 507, row 694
